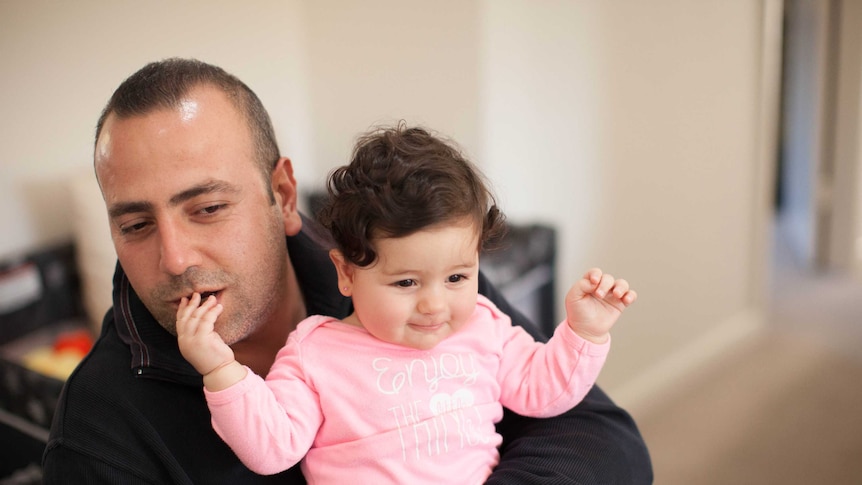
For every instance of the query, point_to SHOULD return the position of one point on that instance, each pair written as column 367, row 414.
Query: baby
column 407, row 388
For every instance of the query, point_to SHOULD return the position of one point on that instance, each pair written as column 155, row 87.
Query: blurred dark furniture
column 40, row 291
column 523, row 268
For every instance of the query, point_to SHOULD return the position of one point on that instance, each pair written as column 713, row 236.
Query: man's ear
column 284, row 190
column 345, row 272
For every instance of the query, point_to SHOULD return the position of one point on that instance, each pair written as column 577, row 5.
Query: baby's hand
column 594, row 303
column 199, row 343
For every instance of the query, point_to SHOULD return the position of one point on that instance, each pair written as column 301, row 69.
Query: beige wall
column 380, row 61
column 644, row 117
column 635, row 127
column 61, row 61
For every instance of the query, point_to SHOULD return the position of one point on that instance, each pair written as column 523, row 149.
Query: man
column 199, row 199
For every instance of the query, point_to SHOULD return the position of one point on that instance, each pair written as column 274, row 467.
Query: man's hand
column 202, row 346
column 594, row 303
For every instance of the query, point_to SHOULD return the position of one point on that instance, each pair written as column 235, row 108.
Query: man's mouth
column 204, row 296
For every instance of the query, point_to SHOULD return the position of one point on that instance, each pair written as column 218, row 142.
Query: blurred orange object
column 77, row 341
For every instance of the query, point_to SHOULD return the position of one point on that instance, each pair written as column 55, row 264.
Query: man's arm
column 595, row 442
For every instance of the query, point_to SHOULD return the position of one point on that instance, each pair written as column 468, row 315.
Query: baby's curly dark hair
column 402, row 180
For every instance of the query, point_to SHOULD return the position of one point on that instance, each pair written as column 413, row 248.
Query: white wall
column 632, row 126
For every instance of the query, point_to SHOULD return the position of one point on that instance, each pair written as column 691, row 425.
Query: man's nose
column 178, row 249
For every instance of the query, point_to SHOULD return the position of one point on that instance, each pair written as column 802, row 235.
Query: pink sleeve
column 544, row 380
column 271, row 424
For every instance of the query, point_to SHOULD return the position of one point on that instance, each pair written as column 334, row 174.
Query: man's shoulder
column 104, row 367
column 109, row 416
column 90, row 398
column 95, row 387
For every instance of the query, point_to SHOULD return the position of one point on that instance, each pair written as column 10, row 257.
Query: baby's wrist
column 596, row 338
column 224, row 376
column 599, row 340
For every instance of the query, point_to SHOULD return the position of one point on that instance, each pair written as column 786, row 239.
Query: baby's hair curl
column 401, row 180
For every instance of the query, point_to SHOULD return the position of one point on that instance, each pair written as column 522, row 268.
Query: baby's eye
column 455, row 278
column 405, row 283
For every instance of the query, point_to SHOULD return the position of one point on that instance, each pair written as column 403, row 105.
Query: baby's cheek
column 461, row 313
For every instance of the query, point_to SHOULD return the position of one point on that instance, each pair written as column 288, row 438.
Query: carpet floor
column 786, row 408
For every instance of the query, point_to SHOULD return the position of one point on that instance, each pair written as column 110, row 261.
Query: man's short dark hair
column 163, row 84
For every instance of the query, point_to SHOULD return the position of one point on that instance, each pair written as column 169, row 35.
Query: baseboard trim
column 657, row 383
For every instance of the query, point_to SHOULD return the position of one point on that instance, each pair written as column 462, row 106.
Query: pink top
column 365, row 411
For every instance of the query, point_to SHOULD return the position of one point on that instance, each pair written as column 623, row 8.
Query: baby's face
column 422, row 287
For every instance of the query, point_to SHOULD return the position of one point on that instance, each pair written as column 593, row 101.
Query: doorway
column 817, row 197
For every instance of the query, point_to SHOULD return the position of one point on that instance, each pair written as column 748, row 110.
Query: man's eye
column 405, row 283
column 128, row 229
column 211, row 209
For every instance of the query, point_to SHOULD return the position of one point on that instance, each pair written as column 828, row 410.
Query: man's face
column 189, row 211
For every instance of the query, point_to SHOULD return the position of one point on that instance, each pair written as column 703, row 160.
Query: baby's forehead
column 440, row 240
column 392, row 228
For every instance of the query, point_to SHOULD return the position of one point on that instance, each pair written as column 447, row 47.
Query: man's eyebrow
column 206, row 188
column 122, row 208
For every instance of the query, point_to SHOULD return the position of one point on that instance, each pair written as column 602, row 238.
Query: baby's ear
column 345, row 271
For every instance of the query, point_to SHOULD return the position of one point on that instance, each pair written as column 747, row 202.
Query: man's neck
column 258, row 350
